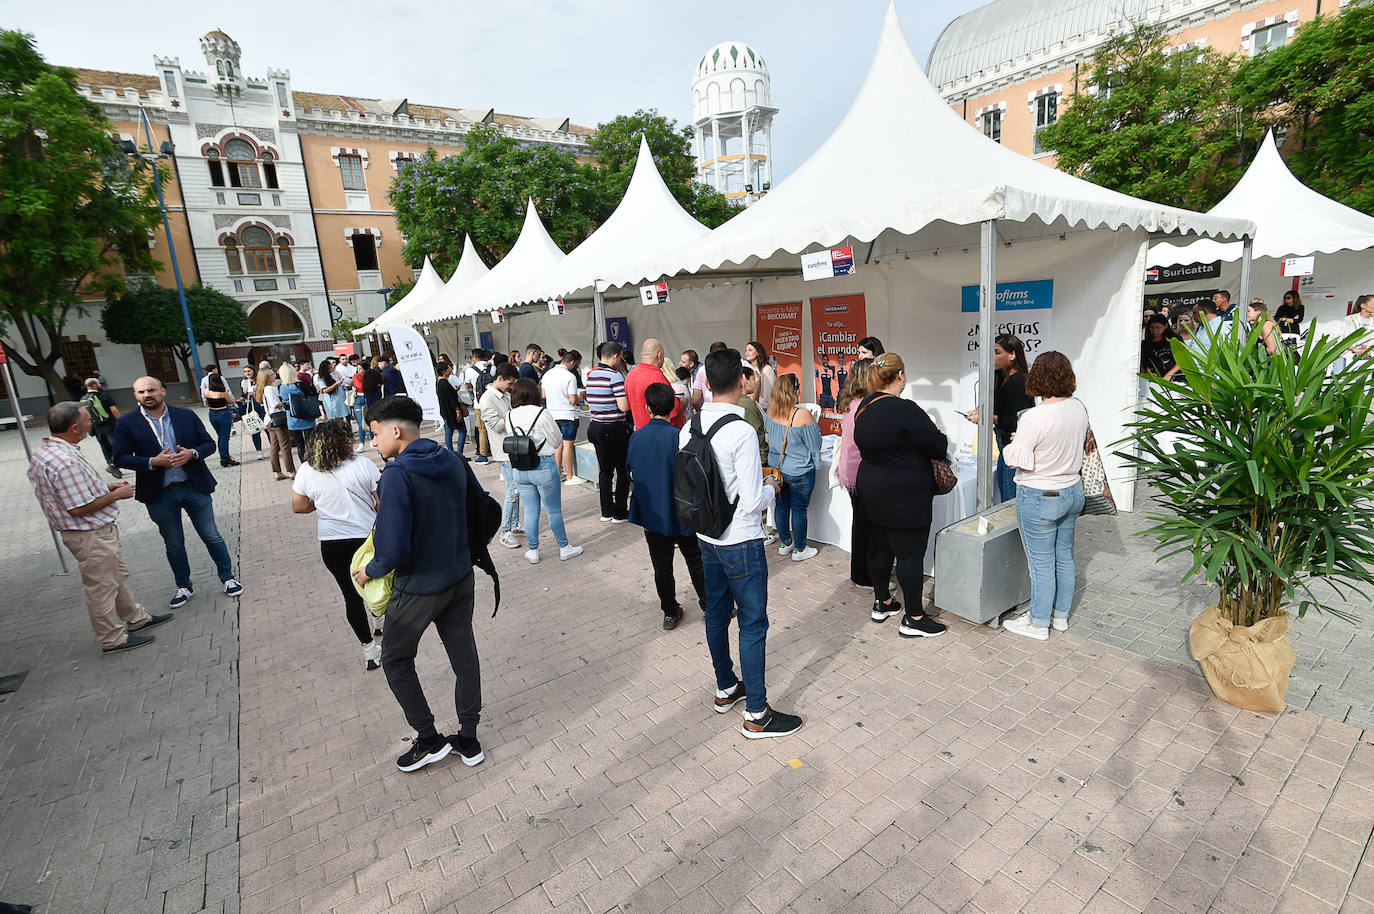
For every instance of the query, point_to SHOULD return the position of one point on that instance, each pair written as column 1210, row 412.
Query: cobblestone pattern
column 119, row 774
column 978, row 772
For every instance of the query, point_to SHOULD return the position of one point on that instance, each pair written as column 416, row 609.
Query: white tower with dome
column 732, row 113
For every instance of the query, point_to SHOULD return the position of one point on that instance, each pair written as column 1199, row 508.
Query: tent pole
column 476, row 335
column 987, row 297
column 599, row 320
column 1247, row 255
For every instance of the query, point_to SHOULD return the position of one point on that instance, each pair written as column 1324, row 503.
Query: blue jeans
column 462, row 436
column 541, row 486
column 737, row 578
column 166, row 513
column 1047, row 523
column 512, row 503
column 223, row 421
column 1006, row 476
column 793, row 499
column 359, row 408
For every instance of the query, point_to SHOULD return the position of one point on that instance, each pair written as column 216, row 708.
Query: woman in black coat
column 896, row 484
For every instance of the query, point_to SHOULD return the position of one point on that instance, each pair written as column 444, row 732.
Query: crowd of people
column 524, row 411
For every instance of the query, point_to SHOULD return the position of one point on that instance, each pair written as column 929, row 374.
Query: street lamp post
column 151, row 157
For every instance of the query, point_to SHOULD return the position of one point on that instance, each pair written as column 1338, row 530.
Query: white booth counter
column 831, row 517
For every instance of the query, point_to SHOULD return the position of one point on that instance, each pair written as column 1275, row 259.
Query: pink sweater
column 847, row 461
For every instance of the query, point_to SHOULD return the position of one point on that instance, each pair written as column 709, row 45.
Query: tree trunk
column 40, row 365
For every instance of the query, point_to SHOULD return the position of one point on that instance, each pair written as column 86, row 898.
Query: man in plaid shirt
column 81, row 507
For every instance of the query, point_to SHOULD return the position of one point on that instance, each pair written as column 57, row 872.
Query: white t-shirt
column 559, row 386
column 343, row 498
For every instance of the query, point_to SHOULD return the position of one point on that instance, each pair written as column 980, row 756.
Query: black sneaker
column 424, row 752
column 228, row 462
column 469, row 749
column 772, row 723
column 131, row 642
column 922, row 626
column 734, row 697
column 152, row 621
column 884, row 611
column 670, row 620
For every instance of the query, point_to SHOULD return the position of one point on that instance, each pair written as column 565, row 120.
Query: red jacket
column 638, row 381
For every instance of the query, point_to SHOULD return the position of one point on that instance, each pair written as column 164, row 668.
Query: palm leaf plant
column 1263, row 471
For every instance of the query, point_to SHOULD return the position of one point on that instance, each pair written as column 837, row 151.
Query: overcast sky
column 568, row 58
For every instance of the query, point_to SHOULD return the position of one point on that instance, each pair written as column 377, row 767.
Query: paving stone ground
column 976, row 772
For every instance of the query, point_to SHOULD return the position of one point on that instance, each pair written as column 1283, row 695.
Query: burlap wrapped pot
column 1246, row 666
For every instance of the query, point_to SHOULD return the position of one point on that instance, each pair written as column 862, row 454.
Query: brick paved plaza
column 246, row 761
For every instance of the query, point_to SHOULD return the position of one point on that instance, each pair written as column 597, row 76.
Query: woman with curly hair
column 341, row 488
column 1047, row 453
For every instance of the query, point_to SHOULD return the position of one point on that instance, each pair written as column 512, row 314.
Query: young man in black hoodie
column 421, row 534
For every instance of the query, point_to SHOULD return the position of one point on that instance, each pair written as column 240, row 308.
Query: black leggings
column 858, row 544
column 908, row 547
column 338, row 556
column 301, row 438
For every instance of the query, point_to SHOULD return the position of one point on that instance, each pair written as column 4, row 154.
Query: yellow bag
column 376, row 593
column 1247, row 666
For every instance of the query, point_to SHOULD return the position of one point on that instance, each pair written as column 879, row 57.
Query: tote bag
column 252, row 422
column 1097, row 494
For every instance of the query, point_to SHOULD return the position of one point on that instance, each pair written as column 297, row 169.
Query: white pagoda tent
column 426, row 285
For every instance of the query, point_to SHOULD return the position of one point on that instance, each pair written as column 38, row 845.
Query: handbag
column 1097, row 494
column 252, row 422
column 305, row 406
column 775, row 473
column 941, row 468
column 524, row 453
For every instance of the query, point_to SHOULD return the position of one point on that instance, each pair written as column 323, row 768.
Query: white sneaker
column 606, row 520
column 233, row 588
column 1059, row 623
column 509, row 541
column 372, row 655
column 261, row 455
column 810, row 552
column 576, row 481
column 784, row 548
column 569, row 552
column 1022, row 626
column 620, row 520
column 532, row 556
column 518, row 531
column 769, row 538
column 358, row 449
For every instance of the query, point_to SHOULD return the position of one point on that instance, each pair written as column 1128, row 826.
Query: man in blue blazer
column 652, row 455
column 166, row 447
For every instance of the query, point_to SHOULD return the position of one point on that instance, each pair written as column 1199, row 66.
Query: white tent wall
column 570, row 330
column 693, row 318
column 1351, row 271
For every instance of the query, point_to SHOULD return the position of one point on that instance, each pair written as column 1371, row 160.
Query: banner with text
column 828, row 264
column 618, row 330
column 1024, row 309
column 837, row 325
column 779, row 328
column 416, row 365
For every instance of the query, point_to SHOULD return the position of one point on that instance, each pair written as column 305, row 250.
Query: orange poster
column 837, row 325
column 779, row 328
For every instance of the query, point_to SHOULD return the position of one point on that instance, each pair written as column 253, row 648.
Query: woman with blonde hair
column 847, row 462
column 299, row 427
column 1258, row 315
column 341, row 490
column 269, row 400
column 896, row 484
column 794, row 448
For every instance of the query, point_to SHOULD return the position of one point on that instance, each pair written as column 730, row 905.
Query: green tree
column 149, row 313
column 1156, row 125
column 615, row 147
column 343, row 330
column 70, row 206
column 1321, row 87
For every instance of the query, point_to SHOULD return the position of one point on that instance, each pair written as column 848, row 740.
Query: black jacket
column 450, row 409
column 896, row 440
column 421, row 531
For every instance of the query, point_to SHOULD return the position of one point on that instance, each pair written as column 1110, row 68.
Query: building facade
column 278, row 198
column 732, row 117
column 1009, row 67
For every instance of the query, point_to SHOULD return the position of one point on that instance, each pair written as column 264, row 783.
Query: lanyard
column 156, row 426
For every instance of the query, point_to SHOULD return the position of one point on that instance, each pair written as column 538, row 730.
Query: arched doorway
column 274, row 331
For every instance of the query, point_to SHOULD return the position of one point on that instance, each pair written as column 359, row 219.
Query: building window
column 269, row 170
column 284, row 254
column 1046, row 113
column 1266, row 39
column 258, row 251
column 992, row 125
column 231, row 256
column 243, row 165
column 281, row 94
column 219, row 68
column 365, row 252
column 169, row 81
column 78, row 356
column 351, row 167
column 216, row 168
column 159, row 362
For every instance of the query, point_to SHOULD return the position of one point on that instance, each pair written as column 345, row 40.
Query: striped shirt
column 604, row 384
column 63, row 479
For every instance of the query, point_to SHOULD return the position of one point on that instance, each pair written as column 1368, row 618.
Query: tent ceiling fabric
column 1291, row 219
column 470, row 269
column 533, row 254
column 647, row 227
column 920, row 164
column 428, row 284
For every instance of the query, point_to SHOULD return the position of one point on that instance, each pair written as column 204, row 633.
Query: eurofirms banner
column 837, row 325
column 779, row 328
column 1024, row 310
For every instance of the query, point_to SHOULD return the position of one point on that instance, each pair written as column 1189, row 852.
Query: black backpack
column 698, row 492
column 484, row 377
column 484, row 520
column 523, row 452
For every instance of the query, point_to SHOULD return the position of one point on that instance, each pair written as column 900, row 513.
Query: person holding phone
column 1009, row 400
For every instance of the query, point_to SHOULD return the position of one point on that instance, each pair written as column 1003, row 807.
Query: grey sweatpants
column 407, row 618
